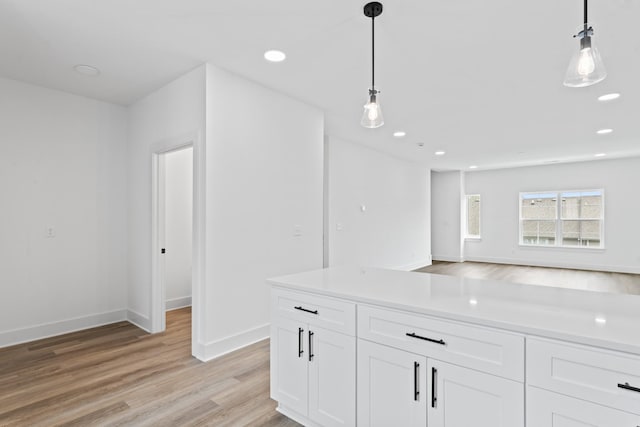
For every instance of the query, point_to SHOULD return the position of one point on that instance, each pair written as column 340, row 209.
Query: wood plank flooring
column 118, row 375
column 559, row 277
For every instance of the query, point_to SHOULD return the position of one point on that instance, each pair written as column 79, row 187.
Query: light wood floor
column 118, row 375
column 559, row 277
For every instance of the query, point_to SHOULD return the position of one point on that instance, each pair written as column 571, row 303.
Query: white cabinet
column 313, row 369
column 461, row 397
column 392, row 387
column 549, row 409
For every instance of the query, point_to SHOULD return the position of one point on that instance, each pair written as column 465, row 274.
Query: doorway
column 158, row 293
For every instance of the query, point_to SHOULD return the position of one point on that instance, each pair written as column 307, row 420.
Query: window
column 562, row 218
column 472, row 230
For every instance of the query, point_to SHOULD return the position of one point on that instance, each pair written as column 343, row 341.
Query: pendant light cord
column 373, row 53
column 585, row 13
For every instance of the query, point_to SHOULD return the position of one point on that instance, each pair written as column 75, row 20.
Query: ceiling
column 479, row 80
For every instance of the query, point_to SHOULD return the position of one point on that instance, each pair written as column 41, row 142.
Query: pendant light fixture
column 372, row 116
column 586, row 67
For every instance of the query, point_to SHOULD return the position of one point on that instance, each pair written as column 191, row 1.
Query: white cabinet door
column 461, row 397
column 289, row 382
column 392, row 387
column 546, row 409
column 332, row 378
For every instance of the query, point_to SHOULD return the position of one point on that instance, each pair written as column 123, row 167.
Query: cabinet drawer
column 545, row 408
column 329, row 313
column 487, row 350
column 600, row 376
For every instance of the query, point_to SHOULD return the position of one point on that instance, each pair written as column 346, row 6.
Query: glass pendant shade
column 372, row 116
column 586, row 67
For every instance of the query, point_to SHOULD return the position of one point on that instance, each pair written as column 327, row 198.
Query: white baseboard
column 226, row 345
column 414, row 265
column 448, row 258
column 46, row 330
column 142, row 322
column 176, row 303
column 552, row 264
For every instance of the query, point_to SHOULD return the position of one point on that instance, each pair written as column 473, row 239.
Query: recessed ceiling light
column 420, row 144
column 473, row 167
column 604, row 131
column 601, row 320
column 473, row 301
column 87, row 70
column 440, row 153
column 399, row 134
column 274, row 56
column 609, row 97
column 600, row 155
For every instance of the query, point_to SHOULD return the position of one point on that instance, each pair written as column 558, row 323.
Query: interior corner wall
column 63, row 218
column 499, row 190
column 264, row 162
column 447, row 192
column 166, row 116
column 378, row 209
column 179, row 227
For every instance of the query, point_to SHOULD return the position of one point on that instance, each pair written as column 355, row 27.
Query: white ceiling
column 480, row 80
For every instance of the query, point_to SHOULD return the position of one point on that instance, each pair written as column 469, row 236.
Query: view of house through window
column 473, row 216
column 563, row 218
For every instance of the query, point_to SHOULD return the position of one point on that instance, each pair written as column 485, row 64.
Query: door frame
column 157, row 295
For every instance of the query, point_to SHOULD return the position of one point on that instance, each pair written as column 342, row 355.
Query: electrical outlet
column 50, row 233
column 297, row 230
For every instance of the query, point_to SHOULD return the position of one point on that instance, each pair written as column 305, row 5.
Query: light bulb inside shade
column 586, row 67
column 372, row 116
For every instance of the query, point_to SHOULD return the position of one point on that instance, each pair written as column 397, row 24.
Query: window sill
column 578, row 248
column 473, row 239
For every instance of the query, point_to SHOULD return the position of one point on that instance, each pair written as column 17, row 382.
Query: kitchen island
column 374, row 347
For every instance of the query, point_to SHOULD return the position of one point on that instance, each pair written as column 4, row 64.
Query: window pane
column 538, row 232
column 473, row 215
column 584, row 205
column 539, row 206
column 581, row 233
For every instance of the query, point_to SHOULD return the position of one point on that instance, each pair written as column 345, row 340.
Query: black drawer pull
column 416, row 387
column 413, row 335
column 306, row 310
column 626, row 386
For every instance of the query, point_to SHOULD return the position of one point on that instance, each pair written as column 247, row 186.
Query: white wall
column 178, row 230
column 499, row 191
column 169, row 115
column 447, row 192
column 62, row 163
column 264, row 177
column 393, row 230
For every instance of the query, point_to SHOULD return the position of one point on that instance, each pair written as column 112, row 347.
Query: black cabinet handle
column 300, row 350
column 434, row 390
column 310, row 347
column 413, row 335
column 416, row 387
column 626, row 386
column 306, row 310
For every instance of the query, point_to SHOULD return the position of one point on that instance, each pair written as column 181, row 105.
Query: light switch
column 297, row 230
column 50, row 233
column 339, row 226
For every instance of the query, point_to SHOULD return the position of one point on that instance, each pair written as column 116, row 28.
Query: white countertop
column 543, row 311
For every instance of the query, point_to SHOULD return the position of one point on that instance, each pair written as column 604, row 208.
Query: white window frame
column 468, row 236
column 558, row 220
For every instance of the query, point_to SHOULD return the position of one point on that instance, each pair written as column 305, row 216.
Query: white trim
column 176, row 303
column 51, row 329
column 228, row 344
column 414, row 265
column 139, row 320
column 572, row 266
column 300, row 419
column 448, row 258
